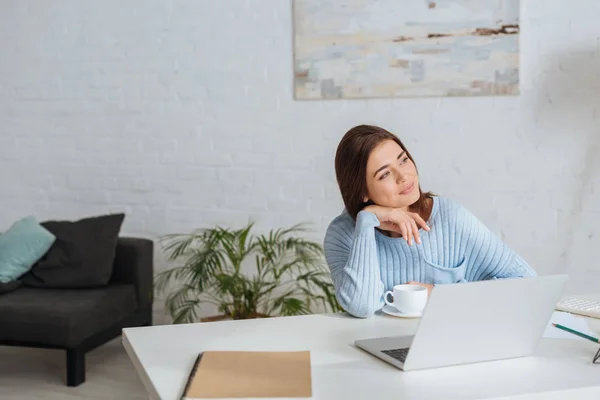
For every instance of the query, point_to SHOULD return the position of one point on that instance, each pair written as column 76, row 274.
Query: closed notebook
column 250, row 374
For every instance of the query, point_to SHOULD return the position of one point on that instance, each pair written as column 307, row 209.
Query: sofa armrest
column 134, row 264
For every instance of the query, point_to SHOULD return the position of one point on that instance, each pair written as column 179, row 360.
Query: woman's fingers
column 411, row 235
column 391, row 226
column 405, row 232
column 420, row 221
column 405, row 223
column 415, row 230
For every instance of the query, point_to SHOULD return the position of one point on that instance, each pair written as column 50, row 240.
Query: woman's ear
column 366, row 199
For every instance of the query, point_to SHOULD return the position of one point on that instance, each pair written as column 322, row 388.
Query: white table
column 560, row 368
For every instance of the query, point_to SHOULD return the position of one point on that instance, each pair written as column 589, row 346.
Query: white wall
column 181, row 113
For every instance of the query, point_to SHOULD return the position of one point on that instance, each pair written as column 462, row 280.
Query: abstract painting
column 405, row 48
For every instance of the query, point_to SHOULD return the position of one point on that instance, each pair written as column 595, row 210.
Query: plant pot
column 214, row 318
column 222, row 317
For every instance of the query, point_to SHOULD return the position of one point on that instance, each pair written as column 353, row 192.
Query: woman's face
column 392, row 179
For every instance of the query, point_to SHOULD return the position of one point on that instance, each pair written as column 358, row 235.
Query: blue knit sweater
column 458, row 247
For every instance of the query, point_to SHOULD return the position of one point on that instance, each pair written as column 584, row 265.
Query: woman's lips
column 408, row 189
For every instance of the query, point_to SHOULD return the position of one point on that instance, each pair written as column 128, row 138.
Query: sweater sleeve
column 487, row 256
column 351, row 253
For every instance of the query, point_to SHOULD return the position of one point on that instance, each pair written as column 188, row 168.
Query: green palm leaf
column 290, row 275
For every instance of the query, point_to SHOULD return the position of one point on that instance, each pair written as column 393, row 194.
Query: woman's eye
column 384, row 175
column 404, row 160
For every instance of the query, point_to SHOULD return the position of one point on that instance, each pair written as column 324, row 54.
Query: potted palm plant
column 289, row 277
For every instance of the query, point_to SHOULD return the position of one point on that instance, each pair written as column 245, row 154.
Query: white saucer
column 394, row 311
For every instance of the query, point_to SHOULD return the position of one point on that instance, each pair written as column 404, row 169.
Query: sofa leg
column 75, row 366
column 150, row 321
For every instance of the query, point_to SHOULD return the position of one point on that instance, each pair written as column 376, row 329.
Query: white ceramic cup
column 407, row 298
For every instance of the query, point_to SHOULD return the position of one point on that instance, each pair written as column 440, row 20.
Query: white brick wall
column 181, row 114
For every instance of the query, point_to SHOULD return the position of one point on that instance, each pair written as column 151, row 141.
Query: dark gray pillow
column 82, row 255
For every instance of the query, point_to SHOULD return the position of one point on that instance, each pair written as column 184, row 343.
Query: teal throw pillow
column 21, row 246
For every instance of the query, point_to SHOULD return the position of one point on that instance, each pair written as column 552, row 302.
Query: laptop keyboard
column 398, row 354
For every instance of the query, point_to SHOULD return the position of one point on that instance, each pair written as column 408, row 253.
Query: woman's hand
column 428, row 286
column 396, row 220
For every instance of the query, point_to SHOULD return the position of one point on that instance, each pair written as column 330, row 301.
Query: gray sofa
column 79, row 320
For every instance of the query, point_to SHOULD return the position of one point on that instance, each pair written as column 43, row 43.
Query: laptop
column 473, row 322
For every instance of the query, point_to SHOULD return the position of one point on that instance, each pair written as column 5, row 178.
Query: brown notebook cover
column 241, row 374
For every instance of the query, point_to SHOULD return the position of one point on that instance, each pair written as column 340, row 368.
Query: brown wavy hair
column 351, row 168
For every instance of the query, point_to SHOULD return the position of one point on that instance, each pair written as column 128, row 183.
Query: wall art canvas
column 347, row 49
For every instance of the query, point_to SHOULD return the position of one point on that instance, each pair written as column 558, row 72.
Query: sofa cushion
column 82, row 255
column 21, row 246
column 63, row 317
column 6, row 287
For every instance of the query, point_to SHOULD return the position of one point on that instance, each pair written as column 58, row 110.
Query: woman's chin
column 412, row 198
column 417, row 195
column 402, row 202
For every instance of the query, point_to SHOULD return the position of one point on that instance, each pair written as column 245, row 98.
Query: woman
column 392, row 233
